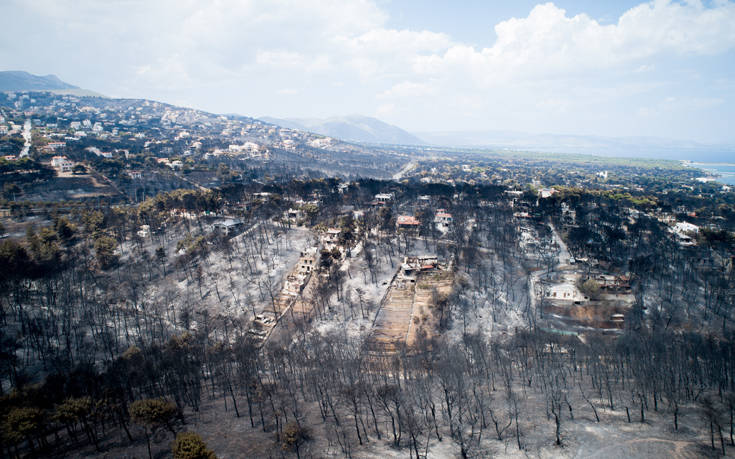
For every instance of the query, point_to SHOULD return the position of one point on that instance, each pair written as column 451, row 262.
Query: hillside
column 354, row 127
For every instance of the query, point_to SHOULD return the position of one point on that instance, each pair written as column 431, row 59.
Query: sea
column 723, row 172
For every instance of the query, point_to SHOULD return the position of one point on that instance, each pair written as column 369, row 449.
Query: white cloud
column 548, row 43
column 279, row 58
column 341, row 55
column 409, row 89
column 231, row 35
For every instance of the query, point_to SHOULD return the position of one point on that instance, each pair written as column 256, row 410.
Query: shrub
column 189, row 445
column 591, row 288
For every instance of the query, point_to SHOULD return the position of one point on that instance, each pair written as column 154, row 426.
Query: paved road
column 563, row 250
column 405, row 170
column 27, row 137
column 534, row 277
column 201, row 187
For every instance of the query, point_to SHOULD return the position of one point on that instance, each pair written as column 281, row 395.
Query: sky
column 609, row 68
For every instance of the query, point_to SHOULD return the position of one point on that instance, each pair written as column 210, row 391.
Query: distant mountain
column 15, row 80
column 24, row 81
column 638, row 147
column 356, row 128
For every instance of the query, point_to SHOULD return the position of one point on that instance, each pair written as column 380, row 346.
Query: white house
column 567, row 292
column 684, row 231
column 686, row 228
column 546, row 192
column 384, row 197
column 331, row 237
column 443, row 219
column 62, row 163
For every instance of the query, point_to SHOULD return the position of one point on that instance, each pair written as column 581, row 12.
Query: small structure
column 229, row 226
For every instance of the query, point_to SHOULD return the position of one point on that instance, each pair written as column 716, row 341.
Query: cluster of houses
column 442, row 219
column 245, row 150
column 173, row 164
column 166, row 130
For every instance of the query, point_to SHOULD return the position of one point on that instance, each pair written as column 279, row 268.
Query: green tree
column 23, row 423
column 64, row 228
column 93, row 221
column 73, row 411
column 294, row 436
column 104, row 247
column 11, row 190
column 161, row 257
column 591, row 288
column 189, row 445
column 152, row 414
column 44, row 247
column 15, row 262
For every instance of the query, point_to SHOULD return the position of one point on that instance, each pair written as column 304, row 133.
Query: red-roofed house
column 407, row 221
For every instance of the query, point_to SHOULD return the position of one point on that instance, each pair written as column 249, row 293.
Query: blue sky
column 659, row 69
